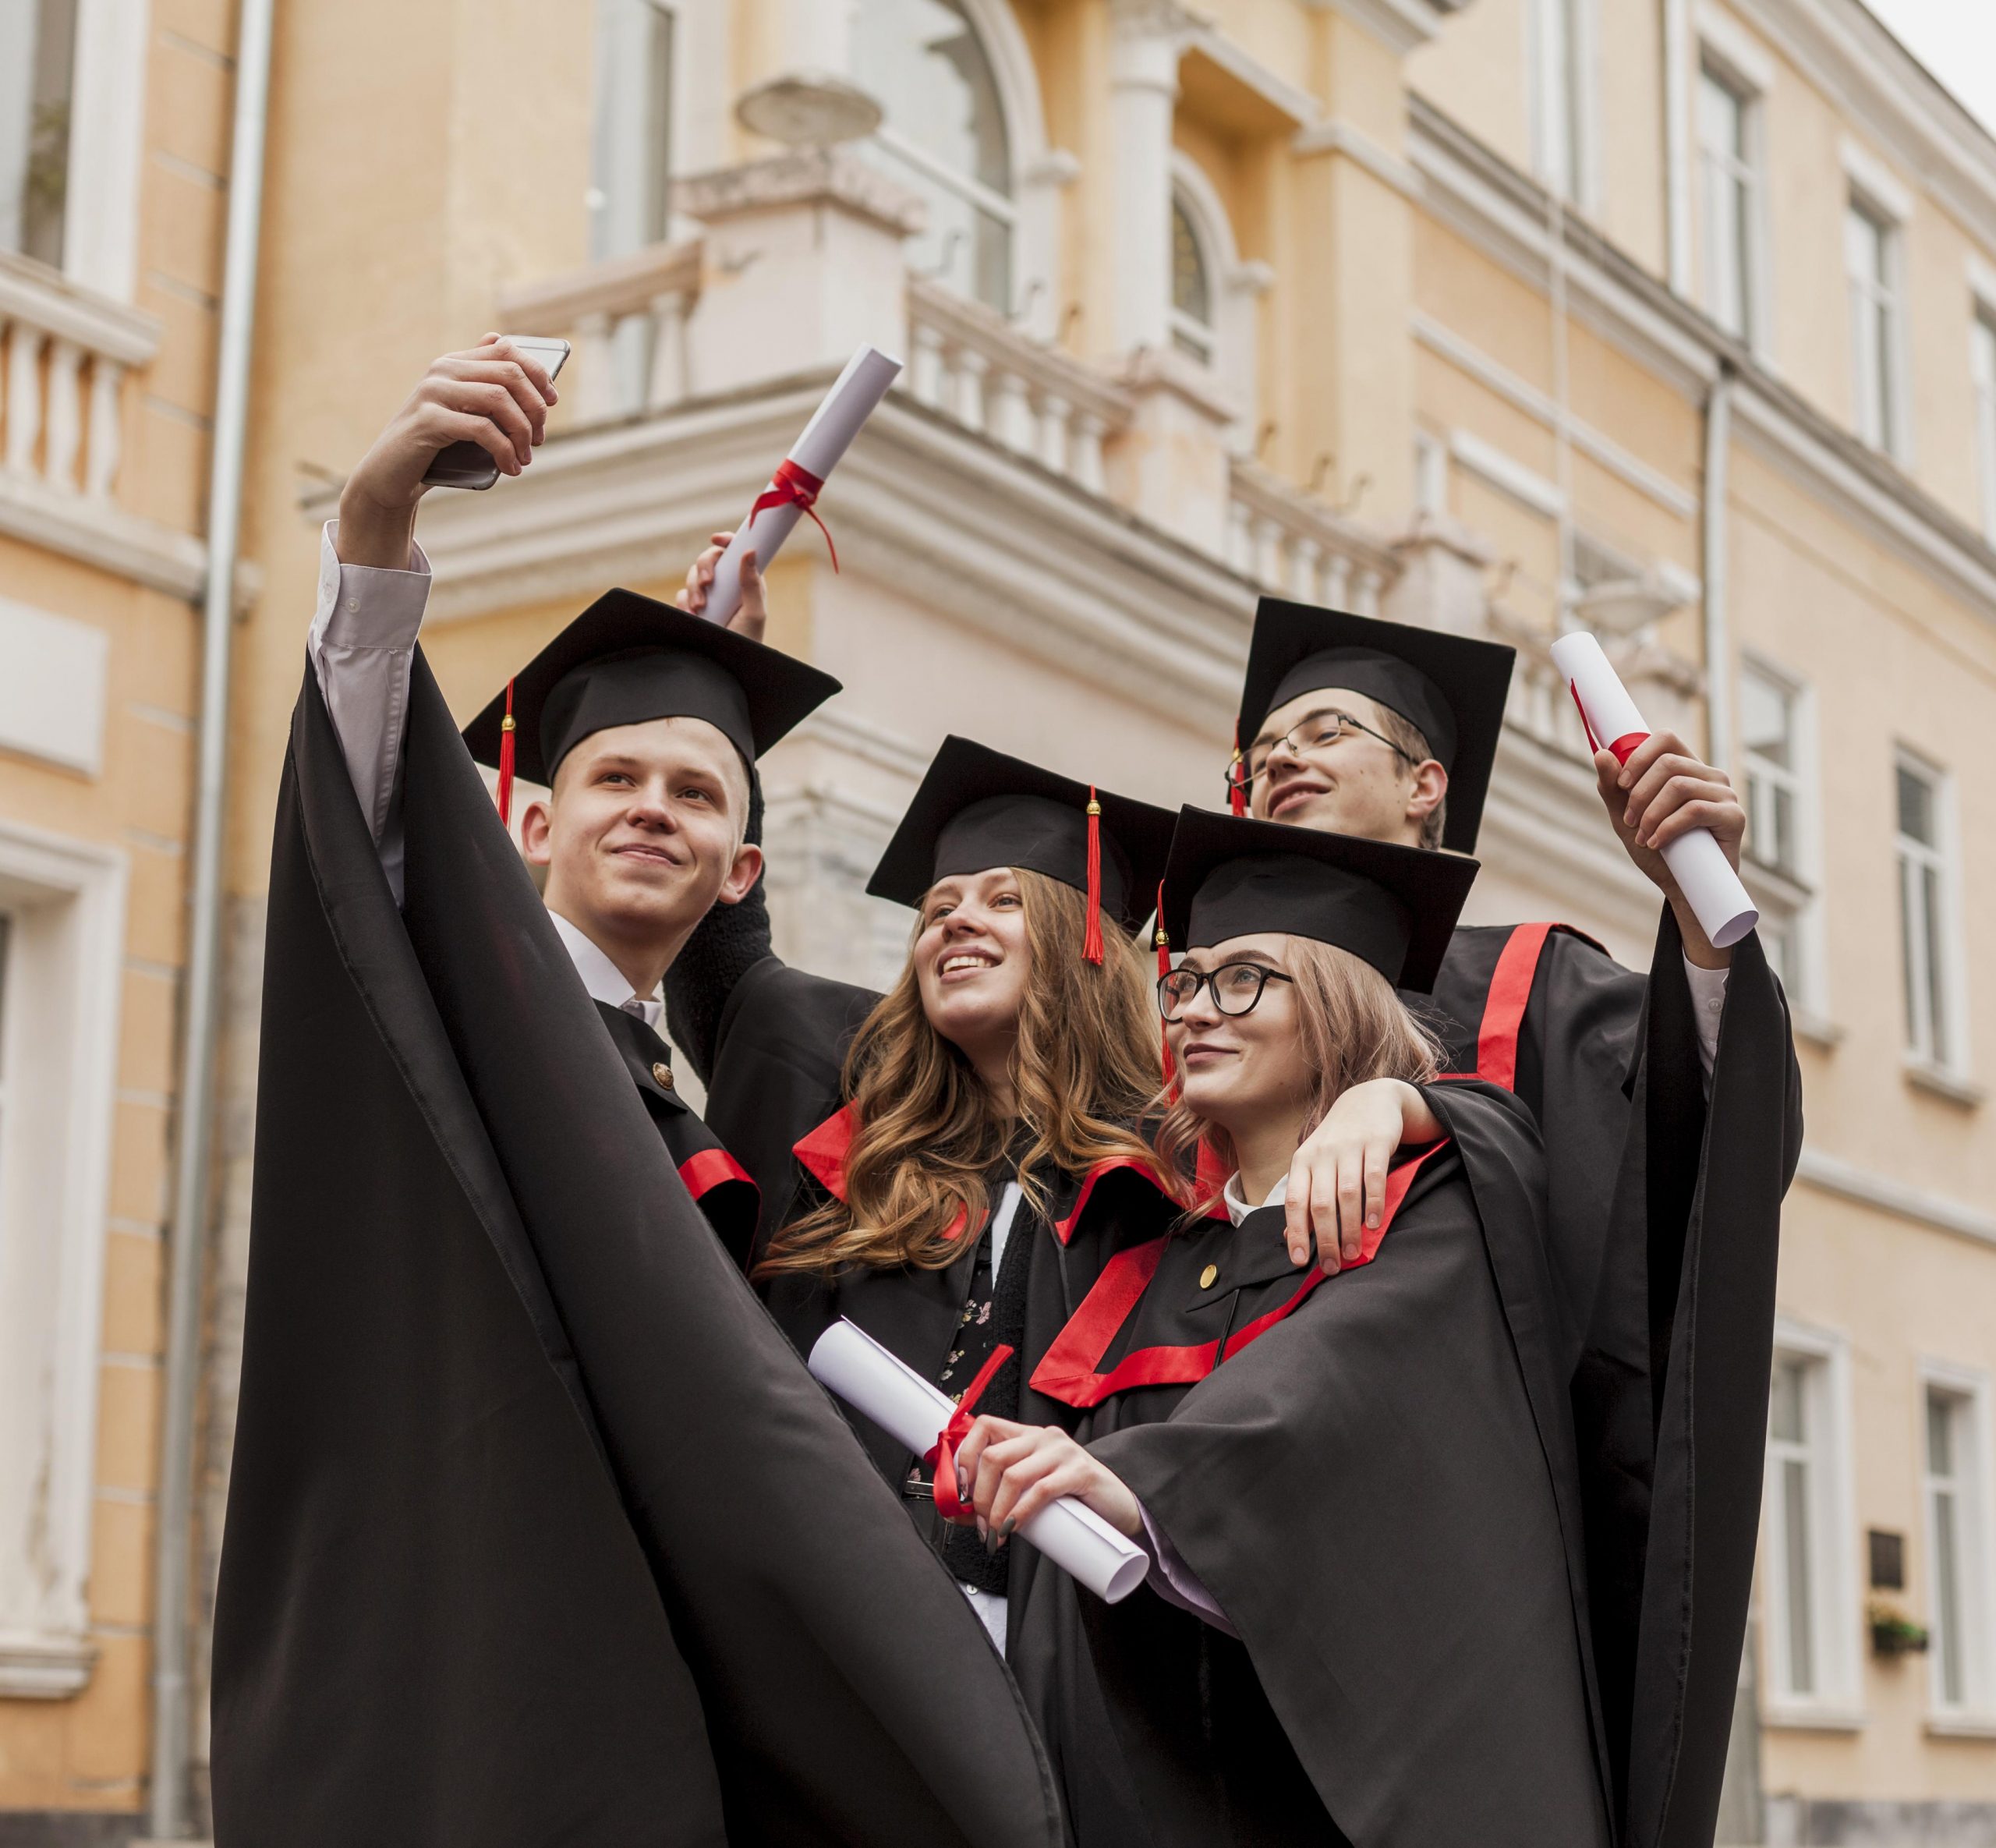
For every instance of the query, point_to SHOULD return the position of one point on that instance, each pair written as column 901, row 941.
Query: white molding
column 1248, row 71
column 1680, row 141
column 1734, row 49
column 66, row 956
column 1338, row 136
column 38, row 1667
column 1982, row 282
column 96, row 533
column 1682, row 350
column 1869, row 78
column 1880, row 185
column 1830, row 1174
column 101, row 216
column 52, row 695
column 31, row 291
column 1402, row 25
column 1443, row 340
column 1506, row 474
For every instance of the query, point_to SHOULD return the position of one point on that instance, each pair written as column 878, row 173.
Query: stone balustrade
column 65, row 357
column 1292, row 544
column 976, row 368
column 599, row 309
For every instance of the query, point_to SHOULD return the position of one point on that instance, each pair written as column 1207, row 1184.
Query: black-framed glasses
column 1236, row 987
column 1318, row 731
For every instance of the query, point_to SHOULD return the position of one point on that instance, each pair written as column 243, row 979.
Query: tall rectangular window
column 37, row 61
column 631, row 162
column 1776, row 796
column 1870, row 245
column 1805, row 1560
column 1727, row 183
column 1958, row 1603
column 1561, row 41
column 1982, row 364
column 1926, row 942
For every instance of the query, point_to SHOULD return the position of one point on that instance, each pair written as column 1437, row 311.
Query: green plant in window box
column 1893, row 1633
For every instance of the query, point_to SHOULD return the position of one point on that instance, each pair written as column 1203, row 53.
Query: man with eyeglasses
column 1670, row 1107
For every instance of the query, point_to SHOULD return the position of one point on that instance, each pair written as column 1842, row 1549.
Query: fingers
column 1664, row 770
column 1692, row 806
column 1005, row 1445
column 1323, row 1205
column 1378, row 1158
column 1020, row 1477
column 1296, row 1208
column 1351, row 1202
column 1658, row 744
column 751, row 614
column 1070, row 1476
column 494, row 389
column 700, row 573
column 440, row 428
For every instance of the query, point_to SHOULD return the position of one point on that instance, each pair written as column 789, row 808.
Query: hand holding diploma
column 1678, row 818
column 897, row 1398
column 794, row 487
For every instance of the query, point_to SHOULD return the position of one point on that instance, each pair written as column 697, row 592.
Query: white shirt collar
column 1237, row 1206
column 605, row 982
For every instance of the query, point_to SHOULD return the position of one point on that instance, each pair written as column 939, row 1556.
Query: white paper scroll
column 897, row 1398
column 854, row 396
column 1696, row 861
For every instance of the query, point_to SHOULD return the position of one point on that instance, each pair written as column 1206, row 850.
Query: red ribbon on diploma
column 793, row 487
column 942, row 1457
column 1623, row 747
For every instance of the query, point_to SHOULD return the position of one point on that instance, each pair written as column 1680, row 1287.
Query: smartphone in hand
column 466, row 465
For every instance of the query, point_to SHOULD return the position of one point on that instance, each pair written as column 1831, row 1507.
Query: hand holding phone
column 491, row 399
column 470, row 463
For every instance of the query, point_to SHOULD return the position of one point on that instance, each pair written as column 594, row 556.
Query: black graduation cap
column 1452, row 687
column 627, row 659
column 1391, row 906
column 977, row 808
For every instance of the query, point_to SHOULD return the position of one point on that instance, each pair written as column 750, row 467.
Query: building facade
column 1674, row 318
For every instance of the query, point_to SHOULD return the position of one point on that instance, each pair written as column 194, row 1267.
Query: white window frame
column 1836, row 1596
column 66, row 956
column 106, row 128
column 1976, row 1548
column 1562, row 40
column 1982, row 372
column 1807, row 985
column 1943, row 854
column 1719, row 65
column 1236, row 288
column 1872, row 190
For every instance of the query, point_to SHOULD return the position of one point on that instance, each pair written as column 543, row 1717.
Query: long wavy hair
column 1350, row 1027
column 1084, row 1072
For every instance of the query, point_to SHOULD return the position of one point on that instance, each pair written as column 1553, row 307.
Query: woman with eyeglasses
column 1365, row 1620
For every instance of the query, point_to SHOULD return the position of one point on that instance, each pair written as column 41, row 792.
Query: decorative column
column 1148, row 36
column 810, row 101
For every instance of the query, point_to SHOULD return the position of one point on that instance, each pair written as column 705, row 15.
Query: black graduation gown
column 514, row 1555
column 1377, row 1485
column 1608, row 1062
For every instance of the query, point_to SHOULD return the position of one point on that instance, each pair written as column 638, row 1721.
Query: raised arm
column 374, row 580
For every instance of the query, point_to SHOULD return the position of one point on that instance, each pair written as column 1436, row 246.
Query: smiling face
column 1352, row 783
column 642, row 836
column 1243, row 1071
column 971, row 960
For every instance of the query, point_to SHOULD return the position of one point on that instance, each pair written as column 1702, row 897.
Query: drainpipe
column 1712, row 539
column 172, row 1636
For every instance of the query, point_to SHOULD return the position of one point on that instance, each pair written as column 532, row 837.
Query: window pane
column 1947, row 1595
column 1764, row 718
column 1795, row 1525
column 37, row 52
column 1915, row 806
column 1721, row 117
column 1934, row 999
column 1784, row 1407
column 1189, row 293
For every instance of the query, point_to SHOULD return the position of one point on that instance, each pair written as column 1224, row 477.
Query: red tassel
column 506, row 730
column 1092, row 943
column 1237, row 776
column 1163, row 943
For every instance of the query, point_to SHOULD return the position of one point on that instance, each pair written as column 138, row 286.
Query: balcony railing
column 626, row 319
column 62, row 371
column 974, row 367
column 1292, row 544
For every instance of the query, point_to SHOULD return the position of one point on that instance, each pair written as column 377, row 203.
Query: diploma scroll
column 1696, row 861
column 836, row 421
column 897, row 1398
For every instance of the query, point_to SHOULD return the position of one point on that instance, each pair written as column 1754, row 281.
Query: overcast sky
column 1956, row 40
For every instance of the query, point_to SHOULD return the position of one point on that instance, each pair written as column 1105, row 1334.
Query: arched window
column 1191, row 285
column 944, row 136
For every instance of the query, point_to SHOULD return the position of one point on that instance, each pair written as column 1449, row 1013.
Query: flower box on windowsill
column 1893, row 1633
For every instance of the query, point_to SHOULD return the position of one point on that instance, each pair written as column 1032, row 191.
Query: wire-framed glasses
column 1236, row 987
column 1318, row 731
